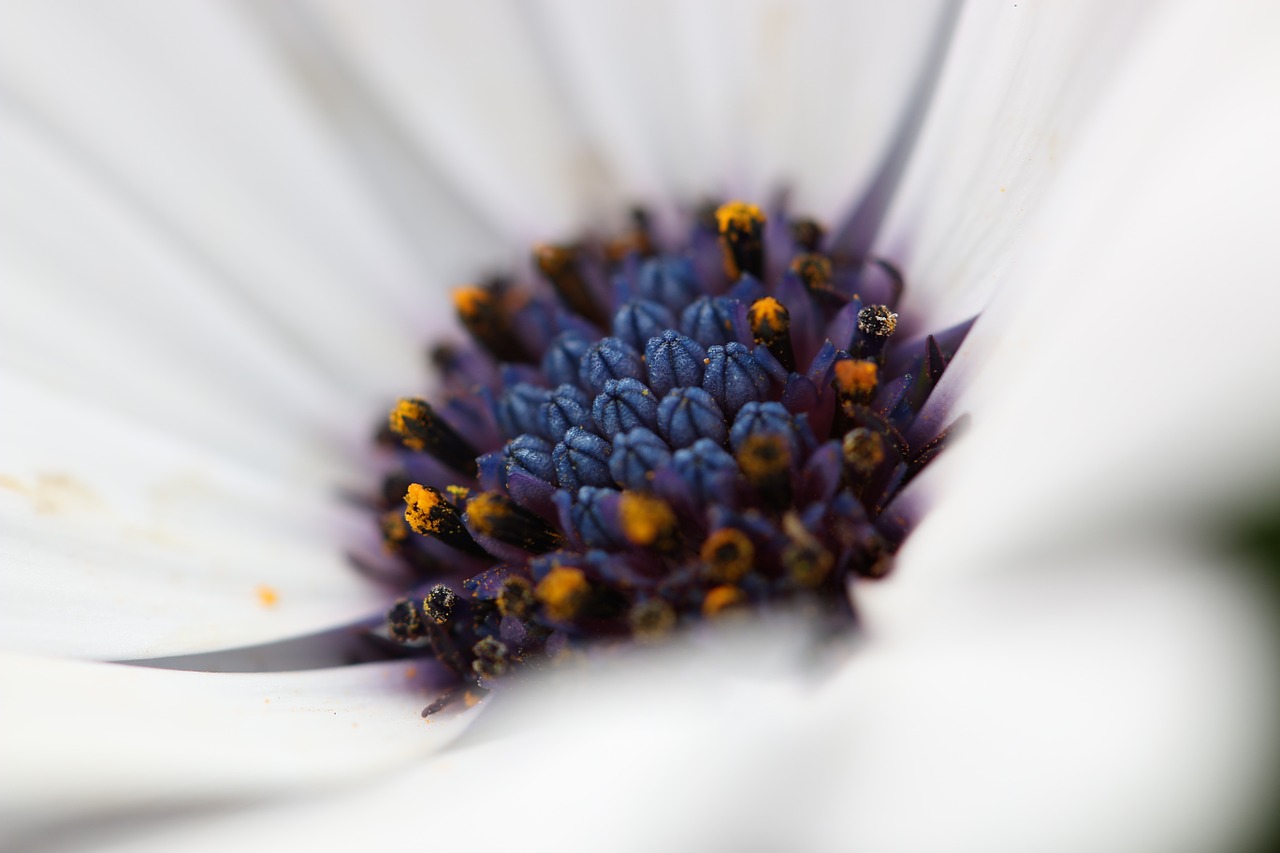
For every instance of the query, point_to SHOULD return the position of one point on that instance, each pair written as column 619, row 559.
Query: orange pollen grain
column 856, row 376
column 267, row 596
column 471, row 300
column 738, row 216
column 813, row 270
column 485, row 509
column 768, row 311
column 419, row 502
column 394, row 530
column 552, row 259
column 863, row 449
column 645, row 519
column 721, row 598
column 406, row 410
column 563, row 591
column 764, row 455
column 729, row 553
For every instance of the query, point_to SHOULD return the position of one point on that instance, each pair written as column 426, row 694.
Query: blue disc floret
column 655, row 436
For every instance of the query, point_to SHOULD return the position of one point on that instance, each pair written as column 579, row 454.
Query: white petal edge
column 1113, row 702
column 1020, row 83
column 85, row 742
column 1122, row 377
column 121, row 542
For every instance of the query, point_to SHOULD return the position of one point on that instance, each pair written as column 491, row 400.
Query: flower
column 212, row 299
column 676, row 433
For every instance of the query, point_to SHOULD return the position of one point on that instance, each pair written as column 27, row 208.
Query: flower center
column 656, row 437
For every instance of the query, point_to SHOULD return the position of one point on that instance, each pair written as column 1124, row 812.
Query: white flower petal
column 1116, row 699
column 193, row 251
column 470, row 84
column 88, row 741
column 689, row 99
column 1110, row 702
column 1185, row 689
column 1124, row 376
column 1020, row 82
column 102, row 308
column 122, row 542
column 196, row 130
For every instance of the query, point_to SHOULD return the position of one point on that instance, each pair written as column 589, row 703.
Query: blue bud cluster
column 732, row 434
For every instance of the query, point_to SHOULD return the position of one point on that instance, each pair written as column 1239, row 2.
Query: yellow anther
column 651, row 620
column 439, row 604
column 552, row 259
column 559, row 265
column 807, row 565
column 863, row 450
column 485, row 312
column 486, row 511
column 638, row 239
column 807, row 234
column 771, row 325
column 405, row 412
column 720, row 599
column 646, row 520
column 729, row 554
column 806, row 559
column 741, row 239
column 764, row 456
column 394, row 530
column 765, row 460
column 515, row 597
column 856, row 377
column 814, row 270
column 738, row 216
column 563, row 592
column 768, row 315
column 429, row 513
column 473, row 302
column 877, row 320
column 495, row 515
column 425, row 510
